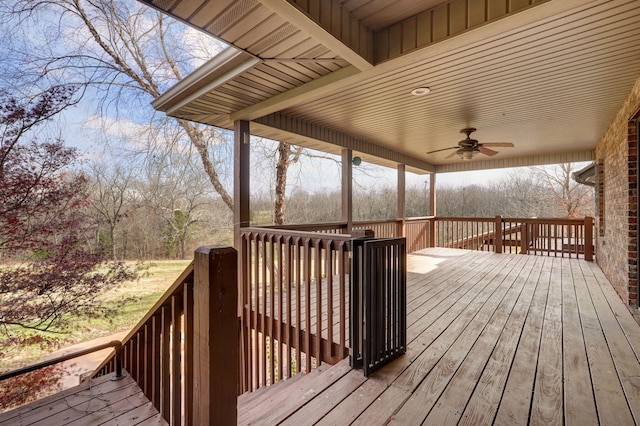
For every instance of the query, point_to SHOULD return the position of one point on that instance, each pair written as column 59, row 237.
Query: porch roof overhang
column 548, row 76
column 586, row 175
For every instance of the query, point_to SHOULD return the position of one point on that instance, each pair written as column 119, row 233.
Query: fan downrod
column 467, row 131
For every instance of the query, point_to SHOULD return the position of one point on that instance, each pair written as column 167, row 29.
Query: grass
column 127, row 303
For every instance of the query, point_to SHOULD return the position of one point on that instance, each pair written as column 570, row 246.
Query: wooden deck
column 100, row 401
column 493, row 339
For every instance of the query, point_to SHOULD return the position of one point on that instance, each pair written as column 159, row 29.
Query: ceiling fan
column 468, row 147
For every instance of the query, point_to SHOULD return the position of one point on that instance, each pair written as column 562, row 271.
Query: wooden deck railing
column 559, row 237
column 184, row 352
column 294, row 296
column 537, row 236
column 381, row 228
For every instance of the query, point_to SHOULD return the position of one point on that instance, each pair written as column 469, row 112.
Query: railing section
column 381, row 228
column 466, row 233
column 378, row 302
column 559, row 237
column 571, row 238
column 294, row 303
column 183, row 353
column 418, row 232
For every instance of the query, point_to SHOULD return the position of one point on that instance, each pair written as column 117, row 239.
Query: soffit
column 550, row 88
column 379, row 14
column 549, row 79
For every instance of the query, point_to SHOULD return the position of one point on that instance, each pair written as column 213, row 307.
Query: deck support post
column 400, row 232
column 347, row 189
column 588, row 238
column 432, row 194
column 432, row 232
column 524, row 238
column 241, row 178
column 215, row 336
column 241, row 213
column 497, row 235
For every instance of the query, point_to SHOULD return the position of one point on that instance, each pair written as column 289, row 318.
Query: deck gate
column 378, row 315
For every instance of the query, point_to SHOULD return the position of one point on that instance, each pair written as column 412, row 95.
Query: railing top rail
column 372, row 222
column 464, row 219
column 112, row 344
column 551, row 220
column 175, row 288
column 295, row 234
column 419, row 218
column 306, row 226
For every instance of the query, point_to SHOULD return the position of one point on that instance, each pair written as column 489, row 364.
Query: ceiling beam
column 533, row 160
column 302, row 133
column 353, row 43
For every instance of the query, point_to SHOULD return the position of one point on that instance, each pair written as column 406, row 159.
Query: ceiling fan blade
column 453, row 154
column 499, row 144
column 443, row 149
column 487, row 151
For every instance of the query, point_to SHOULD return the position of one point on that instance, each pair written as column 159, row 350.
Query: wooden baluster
column 148, row 362
column 255, row 290
column 156, row 331
column 328, row 272
column 271, row 329
column 262, row 281
column 317, row 267
column 298, row 328
column 344, row 253
column 189, row 349
column 176, row 358
column 281, row 321
column 165, row 365
column 287, row 331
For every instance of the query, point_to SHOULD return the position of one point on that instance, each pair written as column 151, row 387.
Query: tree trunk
column 287, row 155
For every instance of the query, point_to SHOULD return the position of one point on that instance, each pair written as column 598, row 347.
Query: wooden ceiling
column 548, row 76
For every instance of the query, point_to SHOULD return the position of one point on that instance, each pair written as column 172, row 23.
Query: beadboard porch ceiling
column 548, row 76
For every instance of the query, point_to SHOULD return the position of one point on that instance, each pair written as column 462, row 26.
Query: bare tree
column 109, row 192
column 287, row 155
column 523, row 195
column 124, row 54
column 178, row 195
column 570, row 198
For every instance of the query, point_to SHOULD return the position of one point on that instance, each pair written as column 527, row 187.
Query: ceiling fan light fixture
column 466, row 154
column 421, row 91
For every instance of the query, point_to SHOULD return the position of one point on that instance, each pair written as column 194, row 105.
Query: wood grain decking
column 493, row 339
column 100, row 401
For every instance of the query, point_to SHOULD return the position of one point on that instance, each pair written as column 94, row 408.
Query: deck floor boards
column 492, row 339
column 100, row 401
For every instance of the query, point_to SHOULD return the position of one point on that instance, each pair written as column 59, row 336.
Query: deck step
column 277, row 403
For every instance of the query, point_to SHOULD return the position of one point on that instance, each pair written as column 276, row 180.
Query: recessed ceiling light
column 421, row 91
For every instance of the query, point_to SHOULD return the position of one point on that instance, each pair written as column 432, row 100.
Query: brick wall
column 617, row 243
